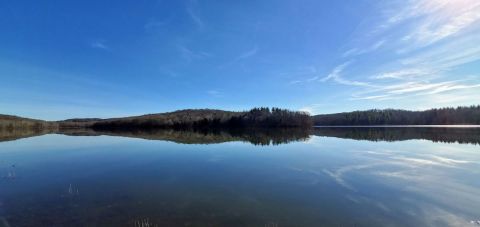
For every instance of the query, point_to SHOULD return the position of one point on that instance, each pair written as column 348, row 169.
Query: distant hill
column 190, row 118
column 255, row 118
column 9, row 122
column 443, row 116
column 13, row 127
column 207, row 118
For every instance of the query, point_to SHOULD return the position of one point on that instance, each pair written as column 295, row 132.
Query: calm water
column 327, row 177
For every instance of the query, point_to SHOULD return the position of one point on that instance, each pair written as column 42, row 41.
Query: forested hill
column 8, row 122
column 183, row 119
column 205, row 118
column 443, row 116
column 255, row 118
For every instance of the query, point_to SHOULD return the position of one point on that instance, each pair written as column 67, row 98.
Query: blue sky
column 68, row 59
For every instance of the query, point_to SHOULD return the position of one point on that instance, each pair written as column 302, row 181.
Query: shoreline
column 396, row 126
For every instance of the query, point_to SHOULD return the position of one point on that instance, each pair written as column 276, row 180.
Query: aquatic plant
column 143, row 222
column 72, row 190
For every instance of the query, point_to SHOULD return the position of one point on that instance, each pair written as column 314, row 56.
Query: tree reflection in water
column 265, row 137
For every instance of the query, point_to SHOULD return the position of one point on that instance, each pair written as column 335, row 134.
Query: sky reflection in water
column 320, row 181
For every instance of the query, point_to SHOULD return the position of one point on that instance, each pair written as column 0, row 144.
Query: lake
column 320, row 177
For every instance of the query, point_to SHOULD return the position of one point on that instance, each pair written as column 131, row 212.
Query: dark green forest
column 442, row 116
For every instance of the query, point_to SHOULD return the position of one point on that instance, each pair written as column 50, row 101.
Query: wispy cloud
column 335, row 72
column 312, row 78
column 427, row 41
column 358, row 51
column 371, row 97
column 439, row 19
column 192, row 11
column 451, row 87
column 242, row 56
column 310, row 73
column 215, row 93
column 167, row 72
column 99, row 44
column 335, row 75
column 446, row 56
column 155, row 25
column 247, row 54
column 296, row 82
column 404, row 74
column 189, row 55
column 410, row 89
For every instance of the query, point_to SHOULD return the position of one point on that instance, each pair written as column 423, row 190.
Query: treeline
column 9, row 123
column 255, row 118
column 184, row 119
column 256, row 136
column 177, row 119
column 442, row 116
column 12, row 127
column 268, row 118
column 435, row 134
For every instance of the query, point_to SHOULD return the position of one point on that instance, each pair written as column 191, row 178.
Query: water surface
column 326, row 177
